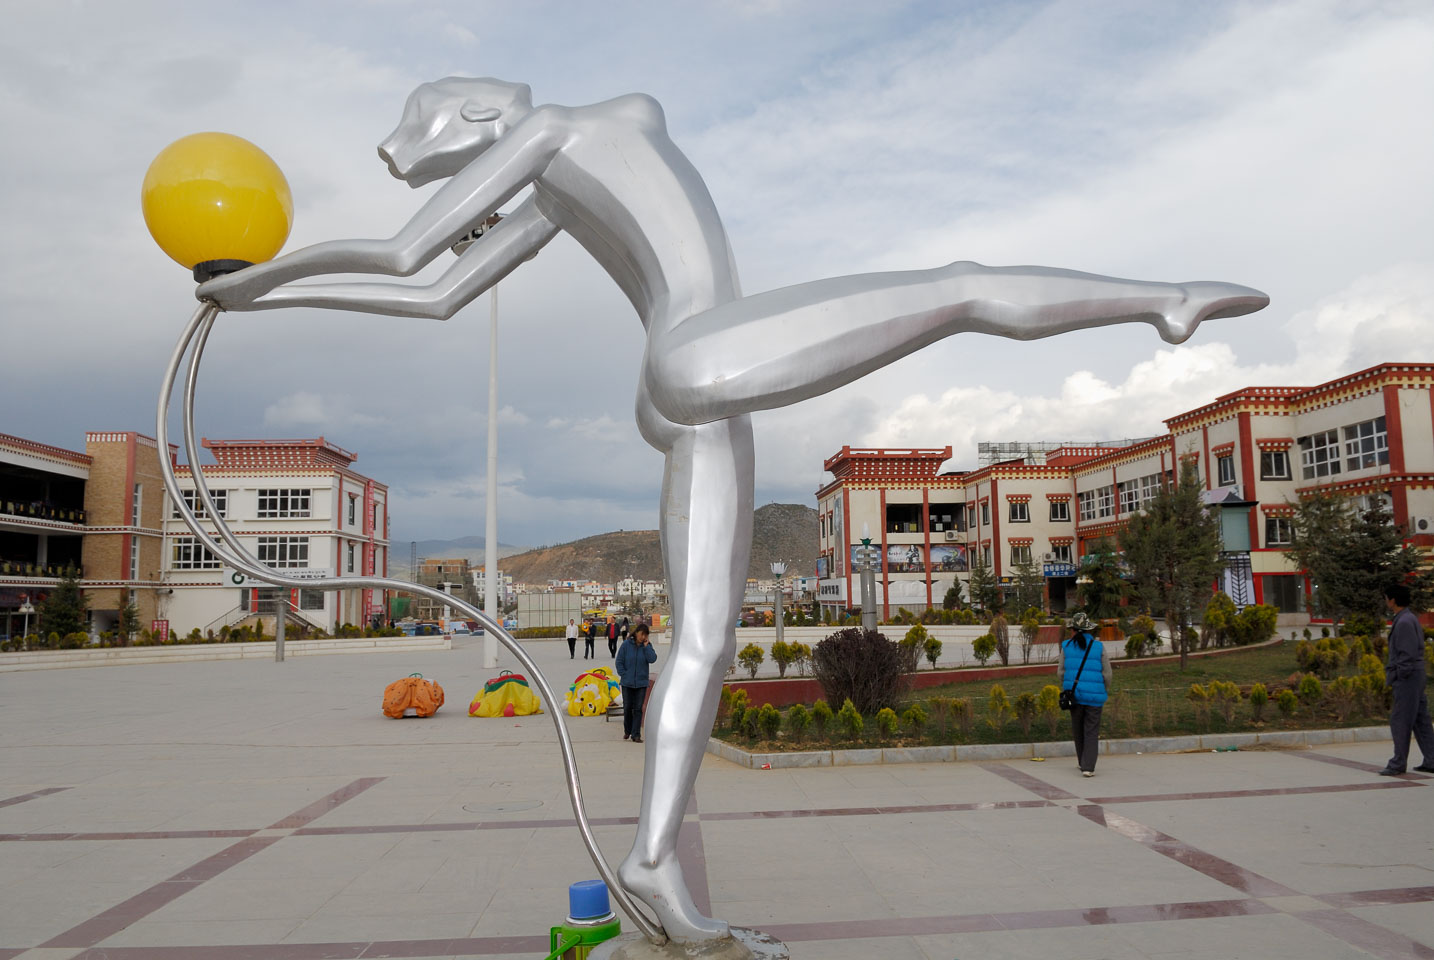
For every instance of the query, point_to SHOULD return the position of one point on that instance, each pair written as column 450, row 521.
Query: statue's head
column 449, row 122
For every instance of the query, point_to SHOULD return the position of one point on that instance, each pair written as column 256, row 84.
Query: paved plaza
column 248, row 810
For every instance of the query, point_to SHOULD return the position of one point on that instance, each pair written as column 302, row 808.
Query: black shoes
column 636, row 739
column 1425, row 768
column 1391, row 772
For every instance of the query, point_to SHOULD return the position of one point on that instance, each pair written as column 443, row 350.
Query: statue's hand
column 237, row 290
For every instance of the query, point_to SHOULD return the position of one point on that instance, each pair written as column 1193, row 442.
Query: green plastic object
column 574, row 940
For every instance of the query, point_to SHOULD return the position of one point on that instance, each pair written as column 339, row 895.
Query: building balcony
column 40, row 571
column 41, row 510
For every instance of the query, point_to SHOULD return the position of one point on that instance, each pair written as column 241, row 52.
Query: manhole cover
column 502, row 806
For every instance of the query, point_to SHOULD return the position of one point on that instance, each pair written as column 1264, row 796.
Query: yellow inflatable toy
column 507, row 695
column 592, row 693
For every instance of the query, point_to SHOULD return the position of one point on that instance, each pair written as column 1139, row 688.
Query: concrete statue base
column 742, row 945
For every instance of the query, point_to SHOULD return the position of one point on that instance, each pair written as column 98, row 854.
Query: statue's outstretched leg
column 706, row 528
column 771, row 349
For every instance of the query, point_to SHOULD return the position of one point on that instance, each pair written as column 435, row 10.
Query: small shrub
column 798, row 719
column 983, row 647
column 1030, row 630
column 750, row 721
column 801, row 656
column 998, row 707
column 751, row 657
column 1259, row 696
column 1199, row 698
column 821, row 718
column 914, row 718
column 1025, row 710
column 932, row 649
column 912, row 646
column 1310, row 689
column 1135, row 645
column 736, row 709
column 940, row 714
column 1254, row 624
column 1358, row 649
column 886, row 722
column 1341, row 695
column 1002, row 632
column 963, row 716
column 1225, row 695
column 781, row 656
column 769, row 721
column 1362, row 625
column 1287, row 702
column 1048, row 705
column 850, row 720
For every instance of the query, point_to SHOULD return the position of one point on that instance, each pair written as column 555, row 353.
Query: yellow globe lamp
column 216, row 203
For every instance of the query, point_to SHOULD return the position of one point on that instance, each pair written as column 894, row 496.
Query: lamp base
column 743, row 944
column 209, row 269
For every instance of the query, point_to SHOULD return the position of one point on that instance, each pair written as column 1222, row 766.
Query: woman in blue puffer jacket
column 1090, row 683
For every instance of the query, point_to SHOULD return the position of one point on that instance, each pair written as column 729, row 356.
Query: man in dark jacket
column 632, row 663
column 611, row 637
column 1405, row 674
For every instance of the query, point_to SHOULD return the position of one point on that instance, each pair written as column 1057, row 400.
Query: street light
column 868, row 581
column 26, row 608
column 779, row 569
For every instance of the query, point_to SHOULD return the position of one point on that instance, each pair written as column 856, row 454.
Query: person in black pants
column 1405, row 673
column 632, row 663
column 588, row 639
column 1084, row 670
column 572, row 635
column 611, row 637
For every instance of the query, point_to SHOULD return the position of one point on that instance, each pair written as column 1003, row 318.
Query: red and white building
column 300, row 507
column 1258, row 450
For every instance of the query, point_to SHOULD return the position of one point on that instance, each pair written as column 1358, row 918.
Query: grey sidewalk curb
column 185, row 652
column 1288, row 739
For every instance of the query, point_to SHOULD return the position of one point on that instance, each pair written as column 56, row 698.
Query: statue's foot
column 661, row 887
column 1206, row 300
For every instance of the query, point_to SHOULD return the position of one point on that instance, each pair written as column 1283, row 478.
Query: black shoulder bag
column 1068, row 696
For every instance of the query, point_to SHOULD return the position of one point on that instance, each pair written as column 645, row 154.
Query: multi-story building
column 1369, row 435
column 300, row 507
column 42, row 524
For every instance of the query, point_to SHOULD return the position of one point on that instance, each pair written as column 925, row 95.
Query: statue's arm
column 493, row 178
column 492, row 257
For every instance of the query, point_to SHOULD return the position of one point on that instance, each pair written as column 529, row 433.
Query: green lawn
column 1146, row 701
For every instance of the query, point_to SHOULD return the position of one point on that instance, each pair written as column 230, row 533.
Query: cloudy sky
column 1286, row 146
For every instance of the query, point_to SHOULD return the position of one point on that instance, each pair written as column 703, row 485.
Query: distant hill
column 470, row 548
column 786, row 531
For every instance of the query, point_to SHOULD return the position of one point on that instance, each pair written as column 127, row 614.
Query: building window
column 1274, row 465
column 192, row 501
column 1279, row 531
column 135, row 502
column 1087, row 504
column 1061, row 511
column 311, row 599
column 280, row 552
column 134, row 556
column 351, row 558
column 1061, row 553
column 985, row 513
column 1225, row 470
column 1020, row 512
column 353, row 509
column 1382, row 502
column 1319, row 454
column 1105, row 501
column 375, row 515
column 1020, row 553
column 283, row 503
column 986, row 555
column 189, row 554
column 1366, row 445
column 1129, row 496
column 1150, row 487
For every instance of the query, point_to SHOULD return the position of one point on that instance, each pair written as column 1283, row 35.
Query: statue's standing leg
column 706, row 528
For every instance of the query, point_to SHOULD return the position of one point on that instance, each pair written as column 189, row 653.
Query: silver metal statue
column 609, row 175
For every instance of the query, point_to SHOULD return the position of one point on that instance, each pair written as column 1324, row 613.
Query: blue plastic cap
column 587, row 899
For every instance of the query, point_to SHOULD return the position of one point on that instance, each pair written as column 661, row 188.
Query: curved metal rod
column 236, row 555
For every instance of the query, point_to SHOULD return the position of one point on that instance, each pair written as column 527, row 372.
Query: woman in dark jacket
column 1084, row 669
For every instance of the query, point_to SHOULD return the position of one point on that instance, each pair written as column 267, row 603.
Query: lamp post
column 868, row 582
column 779, row 569
column 26, row 608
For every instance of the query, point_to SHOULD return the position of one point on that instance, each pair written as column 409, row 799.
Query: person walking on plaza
column 632, row 663
column 623, row 629
column 588, row 638
column 1405, row 673
column 1089, row 683
column 611, row 637
column 572, row 639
